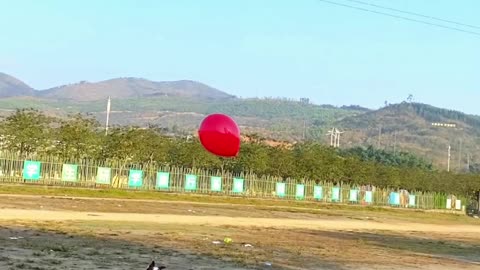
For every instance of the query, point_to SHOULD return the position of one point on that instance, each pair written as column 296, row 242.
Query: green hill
column 409, row 127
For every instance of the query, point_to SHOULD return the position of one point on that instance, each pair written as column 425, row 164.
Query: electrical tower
column 334, row 137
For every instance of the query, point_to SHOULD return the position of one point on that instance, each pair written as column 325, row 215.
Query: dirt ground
column 39, row 232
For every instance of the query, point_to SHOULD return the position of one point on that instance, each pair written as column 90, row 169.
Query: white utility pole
column 337, row 135
column 304, row 128
column 395, row 144
column 454, row 126
column 448, row 160
column 108, row 116
column 333, row 137
column 468, row 162
column 379, row 136
column 460, row 156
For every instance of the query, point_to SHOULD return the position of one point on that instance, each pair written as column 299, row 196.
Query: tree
column 78, row 137
column 136, row 145
column 410, row 98
column 26, row 131
column 280, row 162
column 190, row 153
column 252, row 157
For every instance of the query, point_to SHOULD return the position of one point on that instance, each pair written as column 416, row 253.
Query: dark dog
column 153, row 267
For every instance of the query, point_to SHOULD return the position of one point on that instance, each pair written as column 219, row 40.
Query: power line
column 414, row 13
column 401, row 17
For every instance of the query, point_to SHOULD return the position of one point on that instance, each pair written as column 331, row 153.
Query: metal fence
column 117, row 174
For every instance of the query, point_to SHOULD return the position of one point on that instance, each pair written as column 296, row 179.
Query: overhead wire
column 401, row 17
column 414, row 14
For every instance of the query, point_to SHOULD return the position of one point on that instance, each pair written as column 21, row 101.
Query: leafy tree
column 190, row 153
column 384, row 157
column 136, row 145
column 26, row 131
column 252, row 157
column 78, row 137
column 281, row 162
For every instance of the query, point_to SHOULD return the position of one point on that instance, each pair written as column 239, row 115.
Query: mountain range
column 117, row 88
column 179, row 106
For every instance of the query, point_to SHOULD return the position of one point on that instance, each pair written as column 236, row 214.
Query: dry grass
column 286, row 249
column 94, row 244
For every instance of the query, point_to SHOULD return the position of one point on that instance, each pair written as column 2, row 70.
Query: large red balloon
column 220, row 135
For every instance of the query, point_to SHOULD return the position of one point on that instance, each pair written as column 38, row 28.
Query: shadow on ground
column 23, row 248
column 467, row 251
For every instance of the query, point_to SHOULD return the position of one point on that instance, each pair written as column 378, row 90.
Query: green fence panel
column 31, row 170
column 238, row 185
column 335, row 194
column 318, row 192
column 190, row 182
column 135, row 178
column 280, row 189
column 368, row 197
column 215, row 184
column 300, row 192
column 411, row 200
column 163, row 180
column 104, row 176
column 70, row 172
column 353, row 195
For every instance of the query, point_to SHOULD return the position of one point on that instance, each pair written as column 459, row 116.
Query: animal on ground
column 153, row 266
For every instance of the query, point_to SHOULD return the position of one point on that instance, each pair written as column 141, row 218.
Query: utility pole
column 468, row 162
column 379, row 136
column 337, row 133
column 395, row 143
column 449, row 125
column 337, row 144
column 108, row 116
column 304, row 128
column 333, row 137
column 448, row 160
column 460, row 155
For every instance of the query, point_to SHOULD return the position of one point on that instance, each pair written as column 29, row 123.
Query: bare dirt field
column 48, row 232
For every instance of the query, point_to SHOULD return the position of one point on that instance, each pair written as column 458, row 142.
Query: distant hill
column 12, row 87
column 119, row 88
column 407, row 115
column 408, row 127
column 123, row 88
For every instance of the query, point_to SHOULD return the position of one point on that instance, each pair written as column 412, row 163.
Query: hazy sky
column 291, row 48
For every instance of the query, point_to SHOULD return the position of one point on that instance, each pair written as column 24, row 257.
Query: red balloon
column 220, row 135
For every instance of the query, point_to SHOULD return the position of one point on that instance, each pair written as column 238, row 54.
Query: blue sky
column 304, row 48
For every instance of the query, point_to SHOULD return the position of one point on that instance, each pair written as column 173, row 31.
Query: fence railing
column 45, row 170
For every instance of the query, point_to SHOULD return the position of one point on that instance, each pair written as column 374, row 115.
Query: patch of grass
column 163, row 196
column 139, row 195
column 52, row 261
column 307, row 207
column 57, row 248
column 94, row 252
column 38, row 254
column 433, row 247
column 38, row 268
column 4, row 258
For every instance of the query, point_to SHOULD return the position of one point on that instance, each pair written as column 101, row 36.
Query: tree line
column 31, row 132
